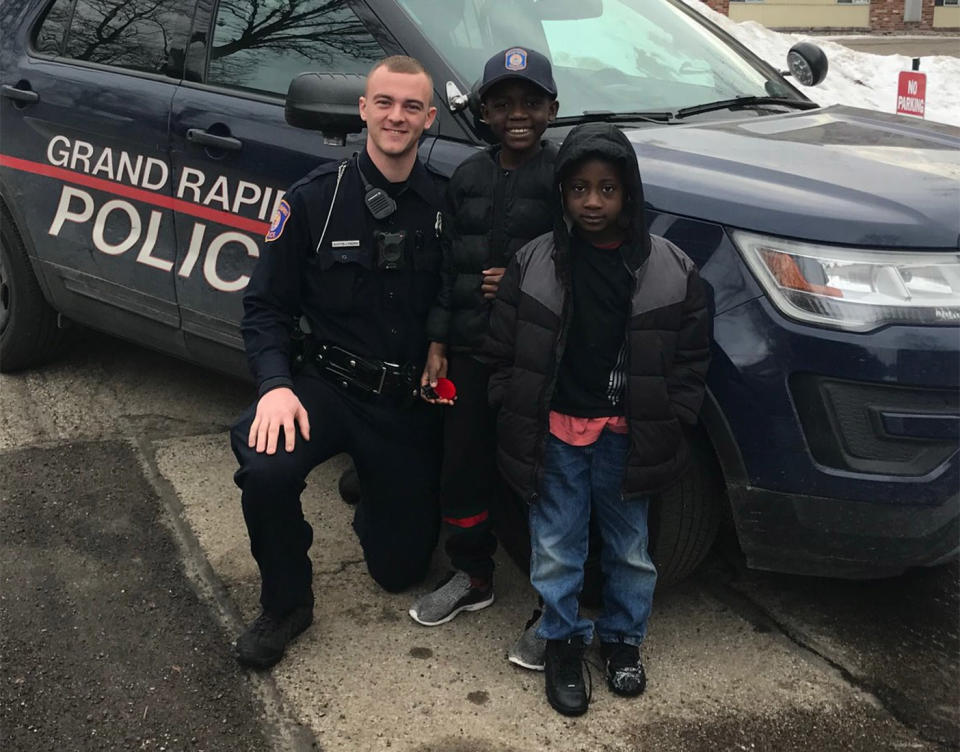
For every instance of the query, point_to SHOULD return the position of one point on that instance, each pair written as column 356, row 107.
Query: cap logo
column 515, row 59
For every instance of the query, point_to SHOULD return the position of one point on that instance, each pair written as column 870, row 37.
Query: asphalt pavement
column 126, row 575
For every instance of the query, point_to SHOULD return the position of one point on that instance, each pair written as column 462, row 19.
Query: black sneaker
column 563, row 670
column 263, row 642
column 624, row 667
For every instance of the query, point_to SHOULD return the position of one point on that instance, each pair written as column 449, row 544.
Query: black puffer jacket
column 667, row 336
column 490, row 213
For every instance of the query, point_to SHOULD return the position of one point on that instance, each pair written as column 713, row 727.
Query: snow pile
column 859, row 79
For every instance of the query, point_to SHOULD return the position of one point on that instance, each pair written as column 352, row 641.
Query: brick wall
column 887, row 15
column 723, row 6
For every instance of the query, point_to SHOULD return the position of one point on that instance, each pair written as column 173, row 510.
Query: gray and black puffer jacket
column 490, row 213
column 668, row 332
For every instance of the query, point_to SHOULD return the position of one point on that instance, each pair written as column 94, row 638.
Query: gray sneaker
column 454, row 594
column 528, row 651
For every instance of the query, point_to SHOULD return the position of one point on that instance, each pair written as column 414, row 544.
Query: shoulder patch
column 280, row 217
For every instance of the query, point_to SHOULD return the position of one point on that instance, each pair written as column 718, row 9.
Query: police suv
column 145, row 148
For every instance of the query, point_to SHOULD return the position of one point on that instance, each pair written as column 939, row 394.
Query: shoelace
column 264, row 623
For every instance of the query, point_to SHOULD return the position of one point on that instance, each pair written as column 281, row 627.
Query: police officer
column 353, row 252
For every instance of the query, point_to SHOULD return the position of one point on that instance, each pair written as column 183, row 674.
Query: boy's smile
column 517, row 112
column 593, row 197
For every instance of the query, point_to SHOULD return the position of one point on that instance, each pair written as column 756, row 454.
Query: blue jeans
column 574, row 479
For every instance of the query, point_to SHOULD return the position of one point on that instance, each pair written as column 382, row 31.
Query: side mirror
column 808, row 63
column 473, row 103
column 326, row 102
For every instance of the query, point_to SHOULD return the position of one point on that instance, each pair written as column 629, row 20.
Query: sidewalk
column 911, row 46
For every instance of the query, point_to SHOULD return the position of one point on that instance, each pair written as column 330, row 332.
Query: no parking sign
column 912, row 93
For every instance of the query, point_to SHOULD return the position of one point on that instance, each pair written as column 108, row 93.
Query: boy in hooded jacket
column 599, row 337
column 497, row 200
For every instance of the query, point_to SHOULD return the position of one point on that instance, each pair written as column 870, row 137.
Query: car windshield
column 618, row 56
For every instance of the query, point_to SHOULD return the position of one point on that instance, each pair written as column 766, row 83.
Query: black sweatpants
column 396, row 451
column 470, row 482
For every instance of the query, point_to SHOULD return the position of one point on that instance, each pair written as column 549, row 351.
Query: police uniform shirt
column 348, row 301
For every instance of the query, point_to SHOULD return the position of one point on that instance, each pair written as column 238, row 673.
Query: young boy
column 497, row 200
column 600, row 340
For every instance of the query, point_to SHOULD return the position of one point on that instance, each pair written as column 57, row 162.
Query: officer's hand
column 436, row 368
column 278, row 408
column 491, row 281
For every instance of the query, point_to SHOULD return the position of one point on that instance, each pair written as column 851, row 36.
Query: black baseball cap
column 518, row 62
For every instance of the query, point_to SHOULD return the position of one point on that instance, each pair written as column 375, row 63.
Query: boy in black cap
column 497, row 200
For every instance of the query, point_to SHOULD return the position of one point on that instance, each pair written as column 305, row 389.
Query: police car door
column 86, row 131
column 233, row 153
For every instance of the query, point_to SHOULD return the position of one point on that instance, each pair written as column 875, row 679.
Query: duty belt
column 365, row 376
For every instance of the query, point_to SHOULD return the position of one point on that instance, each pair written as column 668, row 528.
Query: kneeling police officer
column 353, row 251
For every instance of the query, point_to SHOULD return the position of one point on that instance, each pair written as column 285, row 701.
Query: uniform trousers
column 396, row 450
column 470, row 481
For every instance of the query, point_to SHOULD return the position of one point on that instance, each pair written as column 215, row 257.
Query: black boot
column 264, row 641
column 566, row 691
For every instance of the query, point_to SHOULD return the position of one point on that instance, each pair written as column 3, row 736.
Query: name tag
column 345, row 244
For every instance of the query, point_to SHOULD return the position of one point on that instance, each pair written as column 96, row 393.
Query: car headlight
column 851, row 288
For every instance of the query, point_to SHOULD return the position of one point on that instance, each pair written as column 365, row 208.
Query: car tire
column 28, row 325
column 684, row 518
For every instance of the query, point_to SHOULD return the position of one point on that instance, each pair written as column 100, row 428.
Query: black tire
column 28, row 325
column 684, row 519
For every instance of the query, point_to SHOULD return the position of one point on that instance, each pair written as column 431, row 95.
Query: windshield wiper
column 608, row 116
column 723, row 104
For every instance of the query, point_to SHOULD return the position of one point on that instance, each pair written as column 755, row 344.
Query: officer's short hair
column 403, row 64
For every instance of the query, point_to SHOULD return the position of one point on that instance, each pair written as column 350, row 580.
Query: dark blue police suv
column 143, row 149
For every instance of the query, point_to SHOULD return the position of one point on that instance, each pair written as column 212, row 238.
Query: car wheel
column 684, row 518
column 28, row 325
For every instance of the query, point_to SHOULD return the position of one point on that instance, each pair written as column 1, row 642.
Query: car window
column 142, row 35
column 53, row 28
column 263, row 44
column 611, row 56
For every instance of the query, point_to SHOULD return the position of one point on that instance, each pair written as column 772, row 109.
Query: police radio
column 378, row 201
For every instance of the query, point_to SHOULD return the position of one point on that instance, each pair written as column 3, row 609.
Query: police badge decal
column 515, row 59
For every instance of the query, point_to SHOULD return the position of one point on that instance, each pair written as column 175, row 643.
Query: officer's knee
column 262, row 471
column 394, row 576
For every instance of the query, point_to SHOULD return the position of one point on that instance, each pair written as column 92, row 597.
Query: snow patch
column 859, row 79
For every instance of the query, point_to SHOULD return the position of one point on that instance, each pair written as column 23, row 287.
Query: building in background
column 861, row 15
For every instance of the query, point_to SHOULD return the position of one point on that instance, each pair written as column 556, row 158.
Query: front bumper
column 849, row 443
column 812, row 535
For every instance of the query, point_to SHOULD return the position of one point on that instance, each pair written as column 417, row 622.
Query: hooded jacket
column 667, row 336
column 490, row 212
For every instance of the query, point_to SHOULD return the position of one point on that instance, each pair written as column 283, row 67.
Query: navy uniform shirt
column 347, row 300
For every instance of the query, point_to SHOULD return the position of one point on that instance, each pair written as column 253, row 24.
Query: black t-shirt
column 593, row 368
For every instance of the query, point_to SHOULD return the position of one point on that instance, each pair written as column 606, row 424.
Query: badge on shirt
column 280, row 217
column 515, row 59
